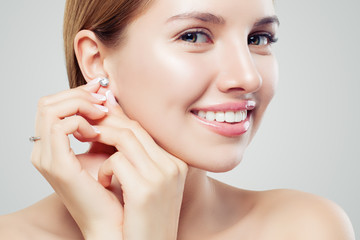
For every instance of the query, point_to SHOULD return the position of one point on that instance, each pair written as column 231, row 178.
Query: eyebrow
column 267, row 20
column 211, row 18
column 204, row 17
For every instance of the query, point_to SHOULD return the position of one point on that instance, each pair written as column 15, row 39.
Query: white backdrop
column 309, row 137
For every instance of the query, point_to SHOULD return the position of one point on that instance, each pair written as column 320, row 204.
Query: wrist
column 104, row 233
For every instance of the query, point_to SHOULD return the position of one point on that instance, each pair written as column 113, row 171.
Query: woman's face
column 186, row 66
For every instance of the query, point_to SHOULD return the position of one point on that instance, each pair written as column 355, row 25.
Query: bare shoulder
column 46, row 219
column 290, row 214
column 12, row 226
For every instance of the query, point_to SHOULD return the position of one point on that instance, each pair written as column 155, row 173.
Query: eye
column 195, row 37
column 263, row 39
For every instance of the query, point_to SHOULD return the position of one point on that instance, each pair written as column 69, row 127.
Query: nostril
column 237, row 89
column 240, row 85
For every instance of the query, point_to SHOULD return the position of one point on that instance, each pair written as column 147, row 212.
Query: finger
column 50, row 108
column 121, row 167
column 93, row 85
column 126, row 142
column 150, row 146
column 112, row 104
column 60, row 144
column 71, row 107
column 50, row 115
column 88, row 92
column 123, row 122
column 82, row 138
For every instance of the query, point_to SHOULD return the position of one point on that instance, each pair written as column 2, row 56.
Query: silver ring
column 34, row 139
column 104, row 82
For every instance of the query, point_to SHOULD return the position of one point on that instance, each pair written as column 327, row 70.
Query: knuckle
column 125, row 133
column 43, row 101
column 147, row 194
column 46, row 110
column 183, row 167
column 118, row 155
column 75, row 91
column 83, row 94
column 134, row 124
column 56, row 128
column 35, row 160
column 82, row 91
column 78, row 119
column 44, row 106
column 78, row 90
column 137, row 128
column 173, row 171
column 157, row 180
column 114, row 158
column 81, row 101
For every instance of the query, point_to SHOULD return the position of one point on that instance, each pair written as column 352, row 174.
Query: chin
column 218, row 165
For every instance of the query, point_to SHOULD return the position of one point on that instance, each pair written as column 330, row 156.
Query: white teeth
column 220, row 117
column 202, row 114
column 244, row 114
column 229, row 116
column 238, row 116
column 210, row 116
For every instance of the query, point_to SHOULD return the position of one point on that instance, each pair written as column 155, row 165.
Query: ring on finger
column 34, row 138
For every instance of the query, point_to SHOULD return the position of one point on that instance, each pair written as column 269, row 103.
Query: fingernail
column 99, row 96
column 94, row 81
column 110, row 97
column 95, row 129
column 102, row 108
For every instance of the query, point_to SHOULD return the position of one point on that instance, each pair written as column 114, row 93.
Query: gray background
column 309, row 137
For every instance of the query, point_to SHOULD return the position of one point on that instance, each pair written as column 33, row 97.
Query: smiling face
column 198, row 76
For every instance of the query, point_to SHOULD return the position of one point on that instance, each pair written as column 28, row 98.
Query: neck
column 197, row 189
column 199, row 196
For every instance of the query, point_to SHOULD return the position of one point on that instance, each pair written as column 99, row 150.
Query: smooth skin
column 142, row 173
column 145, row 175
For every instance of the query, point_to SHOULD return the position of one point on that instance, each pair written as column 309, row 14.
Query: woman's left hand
column 152, row 180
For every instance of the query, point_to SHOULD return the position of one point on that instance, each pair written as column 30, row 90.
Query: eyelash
column 195, row 33
column 269, row 36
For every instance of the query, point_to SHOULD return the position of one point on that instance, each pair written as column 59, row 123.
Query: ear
column 88, row 51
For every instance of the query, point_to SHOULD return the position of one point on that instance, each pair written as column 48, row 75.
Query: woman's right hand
column 152, row 180
column 96, row 210
column 147, row 203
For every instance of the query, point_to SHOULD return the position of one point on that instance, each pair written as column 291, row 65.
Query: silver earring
column 104, row 82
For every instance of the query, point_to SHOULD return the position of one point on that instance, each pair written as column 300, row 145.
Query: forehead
column 230, row 10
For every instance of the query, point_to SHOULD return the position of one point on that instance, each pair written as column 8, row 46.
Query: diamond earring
column 104, row 82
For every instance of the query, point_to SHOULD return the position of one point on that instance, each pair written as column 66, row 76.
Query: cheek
column 156, row 86
column 166, row 79
column 180, row 77
column 268, row 69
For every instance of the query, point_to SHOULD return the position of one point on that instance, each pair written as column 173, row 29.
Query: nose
column 238, row 71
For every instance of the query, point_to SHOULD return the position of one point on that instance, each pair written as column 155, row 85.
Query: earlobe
column 89, row 55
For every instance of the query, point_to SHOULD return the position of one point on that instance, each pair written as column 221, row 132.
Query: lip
column 223, row 128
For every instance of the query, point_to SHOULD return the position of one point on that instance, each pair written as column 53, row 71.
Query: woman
column 189, row 82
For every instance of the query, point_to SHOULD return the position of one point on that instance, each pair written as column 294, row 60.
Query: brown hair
column 106, row 18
